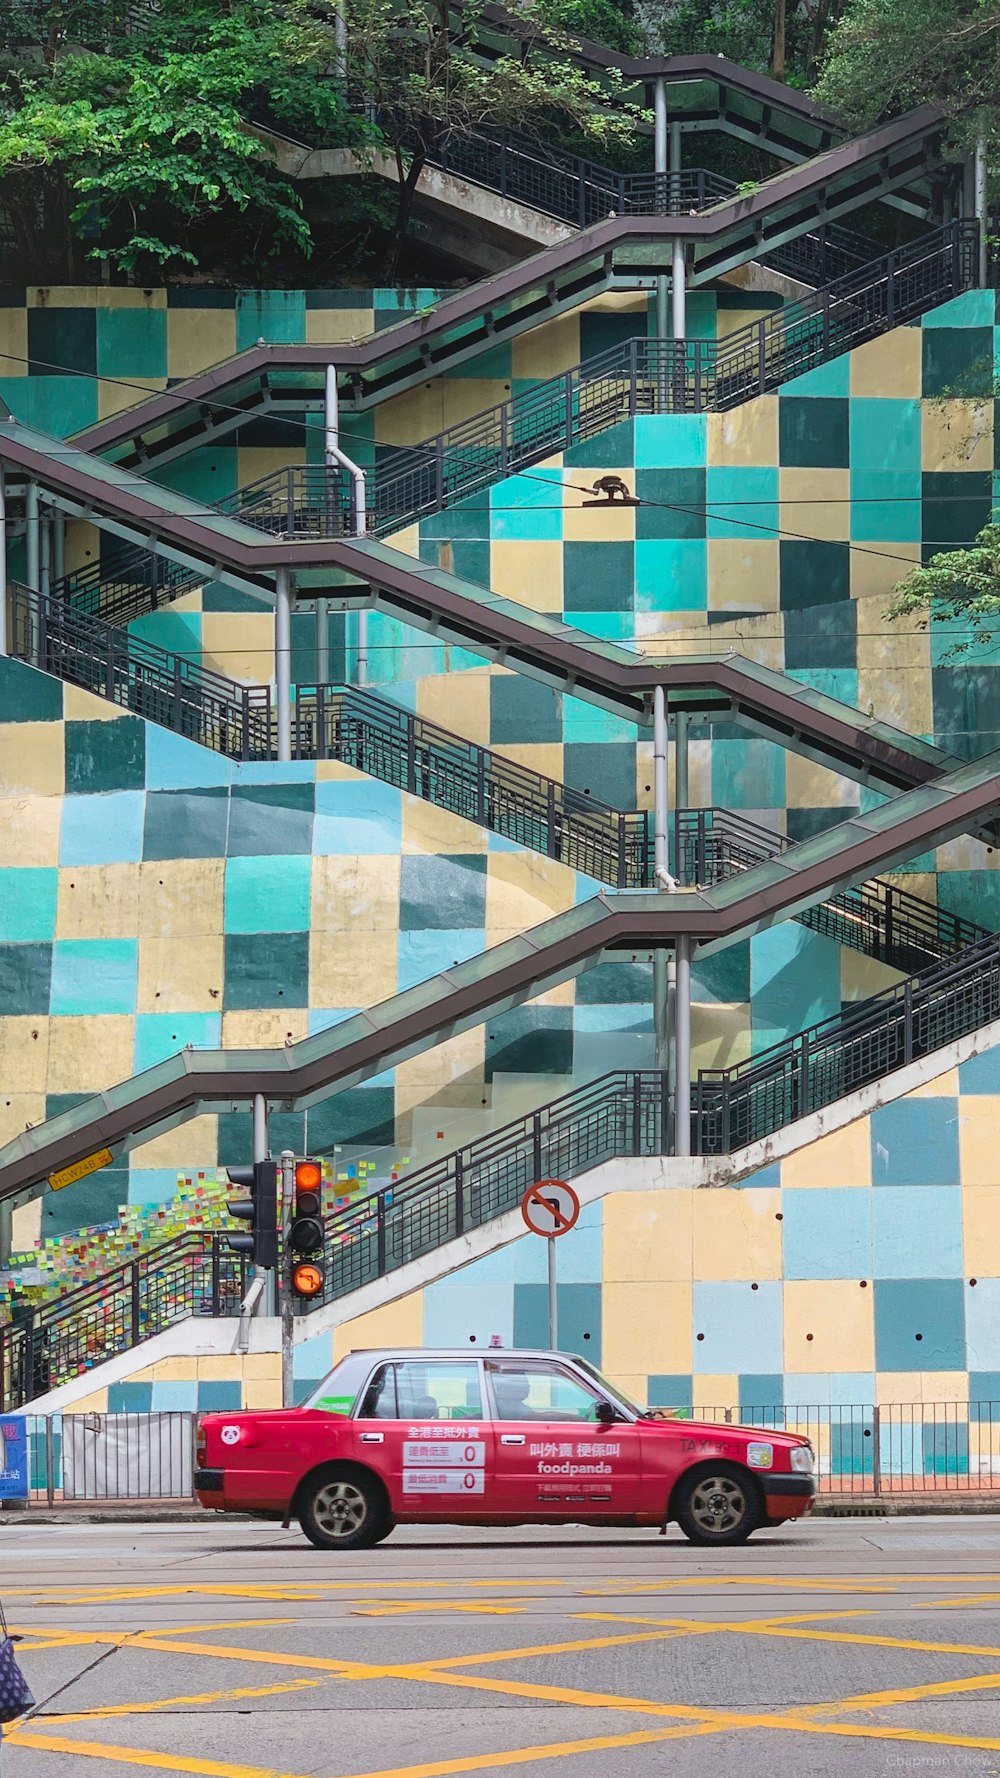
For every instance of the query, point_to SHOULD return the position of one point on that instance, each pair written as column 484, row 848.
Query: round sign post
column 550, row 1208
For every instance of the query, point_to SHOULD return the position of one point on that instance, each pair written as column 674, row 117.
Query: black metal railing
column 170, row 689
column 877, row 917
column 638, row 376
column 194, row 1274
column 376, row 736
column 621, row 1114
column 950, row 999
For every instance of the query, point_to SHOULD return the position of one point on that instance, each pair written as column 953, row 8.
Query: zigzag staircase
column 637, row 377
column 387, row 742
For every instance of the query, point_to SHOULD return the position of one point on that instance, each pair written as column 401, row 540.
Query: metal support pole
column 45, row 581
column 58, row 546
column 661, row 163
column 269, row 1301
column 661, row 874
column 322, row 642
column 553, row 1297
column 682, row 791
column 982, row 213
column 283, row 660
column 6, row 1219
column 287, row 1318
column 31, row 537
column 336, row 458
column 682, row 1049
column 4, row 634
column 675, row 167
column 661, row 168
column 679, row 292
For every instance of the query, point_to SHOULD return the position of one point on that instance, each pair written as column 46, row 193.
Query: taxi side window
column 446, row 1389
column 539, row 1392
column 379, row 1402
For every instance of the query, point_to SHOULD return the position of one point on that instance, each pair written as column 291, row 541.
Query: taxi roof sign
column 92, row 1163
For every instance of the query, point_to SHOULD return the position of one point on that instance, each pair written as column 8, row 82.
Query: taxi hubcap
column 340, row 1508
column 718, row 1504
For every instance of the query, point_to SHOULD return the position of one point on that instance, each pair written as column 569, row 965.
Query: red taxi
column 507, row 1438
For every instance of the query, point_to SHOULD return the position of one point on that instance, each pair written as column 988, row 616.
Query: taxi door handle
column 373, row 1438
column 512, row 1438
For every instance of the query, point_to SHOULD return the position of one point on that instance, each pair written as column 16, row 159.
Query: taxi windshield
column 610, row 1389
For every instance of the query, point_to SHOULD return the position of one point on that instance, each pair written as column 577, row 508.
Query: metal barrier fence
column 899, row 1449
column 863, row 1452
column 91, row 1457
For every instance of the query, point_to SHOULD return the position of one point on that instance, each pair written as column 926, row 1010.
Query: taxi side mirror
column 605, row 1413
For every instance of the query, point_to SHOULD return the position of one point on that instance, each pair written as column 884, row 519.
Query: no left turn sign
column 550, row 1208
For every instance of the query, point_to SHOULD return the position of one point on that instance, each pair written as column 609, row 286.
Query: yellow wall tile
column 719, row 1392
column 840, row 1317
column 981, row 1230
column 259, row 1397
column 448, row 1065
column 333, row 326
column 523, row 888
column 956, row 435
column 259, row 1366
column 344, row 970
column 98, row 901
column 13, row 342
column 181, row 977
column 891, row 366
column 24, row 1047
column 876, row 568
column 648, row 1324
column 240, row 647
column 841, row 1158
column 357, row 893
column 861, row 976
column 977, row 1138
column 179, row 1368
column 747, row 435
column 462, row 398
column 89, row 1053
column 812, row 786
column 816, row 503
column 26, row 1222
column 397, row 1324
column 893, row 1388
column 97, row 1403
column 85, row 706
column 264, row 1027
column 530, row 573
column 736, row 1234
column 114, row 397
column 430, row 830
column 461, row 702
column 545, row 757
column 181, row 898
column 32, row 758
column 944, row 1086
column 191, row 1145
column 720, row 1035
column 743, row 574
column 30, row 829
column 197, row 338
column 548, row 349
column 945, row 1388
column 647, row 1238
column 19, row 1111
column 220, row 1367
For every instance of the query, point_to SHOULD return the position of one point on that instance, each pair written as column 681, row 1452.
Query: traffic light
column 260, row 1209
column 305, row 1235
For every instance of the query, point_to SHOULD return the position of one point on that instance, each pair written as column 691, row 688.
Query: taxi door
column 553, row 1458
column 420, row 1426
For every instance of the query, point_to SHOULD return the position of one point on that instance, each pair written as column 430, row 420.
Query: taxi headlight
column 802, row 1459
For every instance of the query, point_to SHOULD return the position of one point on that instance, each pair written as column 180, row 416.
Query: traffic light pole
column 287, row 1165
column 260, row 1152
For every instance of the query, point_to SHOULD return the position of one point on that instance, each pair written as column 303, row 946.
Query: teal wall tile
column 266, row 969
column 132, row 343
column 885, row 434
column 105, row 755
column 269, row 894
column 27, row 906
column 671, row 574
column 598, row 576
column 743, row 502
column 670, row 441
column 94, row 975
column 832, row 379
column 528, row 507
column 814, row 433
column 27, row 695
column 25, row 979
column 748, row 774
column 270, row 315
column 794, row 981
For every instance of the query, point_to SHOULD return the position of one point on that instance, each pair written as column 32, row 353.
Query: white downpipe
column 335, row 457
column 982, row 212
column 682, row 1049
column 283, row 661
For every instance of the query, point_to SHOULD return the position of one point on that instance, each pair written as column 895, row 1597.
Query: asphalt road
column 237, row 1651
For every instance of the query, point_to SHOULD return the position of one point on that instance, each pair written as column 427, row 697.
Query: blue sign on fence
column 13, row 1459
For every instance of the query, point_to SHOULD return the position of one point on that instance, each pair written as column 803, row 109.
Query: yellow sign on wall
column 80, row 1169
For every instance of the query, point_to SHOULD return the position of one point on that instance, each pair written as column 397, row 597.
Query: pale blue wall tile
column 104, row 829
column 94, row 975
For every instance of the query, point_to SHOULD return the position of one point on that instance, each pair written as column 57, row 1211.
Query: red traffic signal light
column 306, row 1232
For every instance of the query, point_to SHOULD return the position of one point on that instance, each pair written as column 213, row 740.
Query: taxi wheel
column 719, row 1503
column 343, row 1510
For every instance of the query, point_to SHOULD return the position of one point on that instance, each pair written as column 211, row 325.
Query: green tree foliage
column 885, row 56
column 426, row 85
column 782, row 37
column 124, row 130
column 960, row 587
